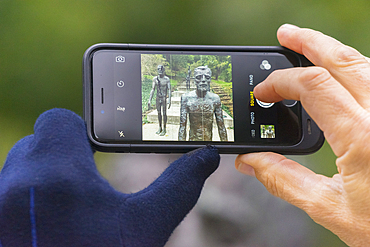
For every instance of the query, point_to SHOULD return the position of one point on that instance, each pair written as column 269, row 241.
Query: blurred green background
column 42, row 44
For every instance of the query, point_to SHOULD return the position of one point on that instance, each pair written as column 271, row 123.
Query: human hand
column 336, row 94
column 51, row 193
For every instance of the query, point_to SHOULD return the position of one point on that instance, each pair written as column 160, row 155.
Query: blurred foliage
column 150, row 62
column 146, row 87
column 42, row 43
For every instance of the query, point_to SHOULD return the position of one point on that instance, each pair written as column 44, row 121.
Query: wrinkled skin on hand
column 336, row 94
column 51, row 193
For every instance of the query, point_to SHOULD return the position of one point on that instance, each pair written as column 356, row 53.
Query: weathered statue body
column 201, row 105
column 188, row 79
column 163, row 85
column 269, row 132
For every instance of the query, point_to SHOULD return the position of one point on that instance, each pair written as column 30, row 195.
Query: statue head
column 161, row 70
column 202, row 75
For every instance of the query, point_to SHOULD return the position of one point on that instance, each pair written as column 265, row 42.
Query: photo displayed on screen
column 267, row 131
column 187, row 98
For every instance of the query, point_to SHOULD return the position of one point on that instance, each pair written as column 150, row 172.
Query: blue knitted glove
column 51, row 193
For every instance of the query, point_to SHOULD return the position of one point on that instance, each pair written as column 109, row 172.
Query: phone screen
column 190, row 97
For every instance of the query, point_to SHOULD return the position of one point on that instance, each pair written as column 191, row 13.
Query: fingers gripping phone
column 175, row 98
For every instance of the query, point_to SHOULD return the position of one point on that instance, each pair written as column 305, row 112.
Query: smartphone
column 175, row 98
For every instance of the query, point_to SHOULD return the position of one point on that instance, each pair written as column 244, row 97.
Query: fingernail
column 289, row 26
column 246, row 169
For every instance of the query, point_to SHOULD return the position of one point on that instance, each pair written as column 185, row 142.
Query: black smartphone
column 175, row 98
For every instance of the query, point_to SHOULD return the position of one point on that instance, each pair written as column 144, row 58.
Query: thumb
column 284, row 178
column 153, row 213
column 59, row 136
column 322, row 198
column 62, row 131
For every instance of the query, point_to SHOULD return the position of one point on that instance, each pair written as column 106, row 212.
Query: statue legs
column 159, row 111
column 160, row 107
column 160, row 123
column 164, row 108
column 163, row 132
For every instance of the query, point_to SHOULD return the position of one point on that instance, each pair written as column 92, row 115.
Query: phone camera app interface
column 263, row 122
column 190, row 97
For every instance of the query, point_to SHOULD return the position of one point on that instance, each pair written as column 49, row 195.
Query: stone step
column 178, row 93
column 175, row 101
column 173, row 117
column 173, row 132
column 183, row 88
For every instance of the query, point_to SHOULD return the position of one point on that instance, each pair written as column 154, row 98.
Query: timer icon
column 120, row 83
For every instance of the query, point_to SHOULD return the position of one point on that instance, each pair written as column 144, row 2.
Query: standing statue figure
column 269, row 132
column 263, row 131
column 188, row 79
column 163, row 84
column 201, row 105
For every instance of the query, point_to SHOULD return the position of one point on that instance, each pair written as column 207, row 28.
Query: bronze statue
column 267, row 133
column 188, row 79
column 162, row 83
column 201, row 105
